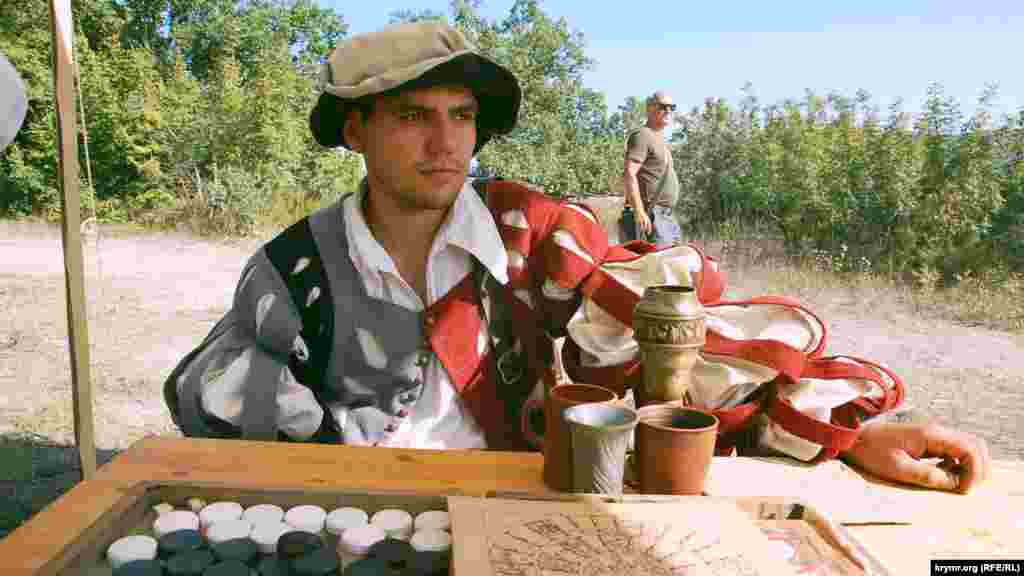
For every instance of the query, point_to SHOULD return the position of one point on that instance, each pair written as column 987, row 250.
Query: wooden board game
column 495, row 534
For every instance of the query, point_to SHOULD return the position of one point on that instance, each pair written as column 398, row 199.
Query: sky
column 695, row 50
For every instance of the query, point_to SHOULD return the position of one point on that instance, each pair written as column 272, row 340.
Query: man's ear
column 353, row 130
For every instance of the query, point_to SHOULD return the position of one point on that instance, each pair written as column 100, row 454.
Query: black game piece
column 228, row 568
column 242, row 549
column 429, row 563
column 297, row 543
column 189, row 563
column 320, row 562
column 398, row 554
column 179, row 541
column 140, row 568
column 368, row 567
column 273, row 566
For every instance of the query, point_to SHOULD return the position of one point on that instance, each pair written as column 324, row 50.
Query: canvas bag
column 761, row 372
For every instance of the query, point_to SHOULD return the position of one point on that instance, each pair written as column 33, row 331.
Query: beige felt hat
column 408, row 56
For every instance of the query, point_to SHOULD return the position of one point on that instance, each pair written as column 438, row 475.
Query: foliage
column 196, row 111
column 936, row 199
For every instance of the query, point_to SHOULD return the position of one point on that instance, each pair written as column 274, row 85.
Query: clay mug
column 674, row 448
column 557, row 442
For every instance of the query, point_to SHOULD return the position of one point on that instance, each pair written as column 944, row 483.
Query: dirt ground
column 152, row 297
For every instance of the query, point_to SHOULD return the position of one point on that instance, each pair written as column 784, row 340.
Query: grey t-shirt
column 649, row 149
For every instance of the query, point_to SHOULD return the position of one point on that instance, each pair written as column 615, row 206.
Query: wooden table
column 997, row 508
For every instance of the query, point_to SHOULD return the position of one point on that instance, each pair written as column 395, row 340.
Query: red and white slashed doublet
column 762, row 361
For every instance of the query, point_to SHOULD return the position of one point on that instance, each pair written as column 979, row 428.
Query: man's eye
column 465, row 115
column 410, row 115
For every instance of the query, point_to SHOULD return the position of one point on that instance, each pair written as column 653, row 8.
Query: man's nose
column 444, row 135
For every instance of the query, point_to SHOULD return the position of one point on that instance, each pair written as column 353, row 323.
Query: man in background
column 652, row 188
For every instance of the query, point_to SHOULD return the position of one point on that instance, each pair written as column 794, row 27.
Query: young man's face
column 417, row 145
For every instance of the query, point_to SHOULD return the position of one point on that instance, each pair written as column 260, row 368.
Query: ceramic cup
column 600, row 433
column 674, row 447
column 557, row 442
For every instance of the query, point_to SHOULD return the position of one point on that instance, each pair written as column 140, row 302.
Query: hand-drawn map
column 685, row 537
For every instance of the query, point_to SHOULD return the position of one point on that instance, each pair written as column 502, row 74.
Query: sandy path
column 153, row 297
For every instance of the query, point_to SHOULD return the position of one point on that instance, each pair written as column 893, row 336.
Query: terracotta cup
column 557, row 436
column 674, row 447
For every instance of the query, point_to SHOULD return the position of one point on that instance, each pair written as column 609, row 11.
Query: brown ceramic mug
column 674, row 447
column 557, row 439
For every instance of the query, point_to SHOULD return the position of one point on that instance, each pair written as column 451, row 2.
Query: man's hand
column 894, row 452
column 643, row 222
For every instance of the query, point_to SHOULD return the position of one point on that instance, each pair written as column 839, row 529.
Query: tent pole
column 78, row 337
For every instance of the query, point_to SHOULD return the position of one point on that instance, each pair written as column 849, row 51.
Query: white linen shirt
column 438, row 420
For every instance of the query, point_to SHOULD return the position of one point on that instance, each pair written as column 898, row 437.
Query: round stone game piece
column 140, row 568
column 396, row 553
column 397, row 523
column 227, row 530
column 173, row 521
column 272, row 566
column 319, row 562
column 436, row 519
column 263, row 513
column 430, row 564
column 228, row 568
column 344, row 518
column 163, row 508
column 178, row 542
column 307, row 517
column 368, row 567
column 192, row 563
column 355, row 542
column 266, row 535
column 296, row 543
column 242, row 549
column 431, row 540
column 195, row 504
column 218, row 512
column 124, row 550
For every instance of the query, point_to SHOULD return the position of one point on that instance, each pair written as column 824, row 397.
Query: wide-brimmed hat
column 13, row 103
column 409, row 56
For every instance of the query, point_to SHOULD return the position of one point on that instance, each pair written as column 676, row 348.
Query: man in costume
column 420, row 310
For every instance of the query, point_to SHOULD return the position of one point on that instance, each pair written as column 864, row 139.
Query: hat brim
column 496, row 89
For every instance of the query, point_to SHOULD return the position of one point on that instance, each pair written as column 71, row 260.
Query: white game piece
column 431, row 540
column 397, row 523
column 263, row 513
column 432, row 519
column 228, row 530
column 266, row 535
column 124, row 550
column 344, row 518
column 307, row 517
column 219, row 512
column 175, row 520
column 163, row 508
column 356, row 542
column 196, row 504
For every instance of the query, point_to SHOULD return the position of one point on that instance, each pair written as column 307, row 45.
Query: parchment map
column 603, row 545
column 530, row 538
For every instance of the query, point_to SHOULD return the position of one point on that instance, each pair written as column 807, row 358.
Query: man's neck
column 405, row 233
